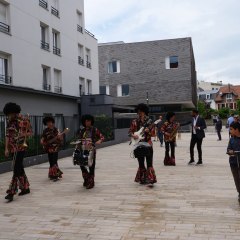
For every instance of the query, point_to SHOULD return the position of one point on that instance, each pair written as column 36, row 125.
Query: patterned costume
column 168, row 127
column 87, row 134
column 53, row 149
column 144, row 175
column 19, row 179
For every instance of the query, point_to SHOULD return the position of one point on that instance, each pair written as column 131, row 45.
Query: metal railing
column 4, row 27
column 104, row 124
column 80, row 61
column 89, row 33
column 56, row 50
column 88, row 64
column 55, row 11
column 5, row 79
column 44, row 45
column 79, row 28
column 57, row 89
column 43, row 4
column 46, row 87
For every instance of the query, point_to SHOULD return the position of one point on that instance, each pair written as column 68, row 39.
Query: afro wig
column 48, row 119
column 87, row 117
column 11, row 108
column 142, row 107
column 169, row 115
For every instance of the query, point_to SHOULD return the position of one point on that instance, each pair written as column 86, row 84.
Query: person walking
column 160, row 134
column 218, row 125
column 198, row 124
column 229, row 121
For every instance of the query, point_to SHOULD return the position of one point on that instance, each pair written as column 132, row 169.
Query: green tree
column 238, row 107
column 223, row 112
column 201, row 109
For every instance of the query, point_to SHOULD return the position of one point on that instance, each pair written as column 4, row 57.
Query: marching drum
column 83, row 156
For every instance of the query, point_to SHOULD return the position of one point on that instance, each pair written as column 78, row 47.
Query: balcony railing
column 44, row 45
column 4, row 27
column 88, row 64
column 80, row 61
column 86, row 31
column 46, row 87
column 79, row 28
column 56, row 50
column 5, row 79
column 55, row 11
column 43, row 4
column 57, row 89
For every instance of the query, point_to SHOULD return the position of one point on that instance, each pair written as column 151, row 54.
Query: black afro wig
column 142, row 107
column 87, row 117
column 48, row 119
column 169, row 115
column 11, row 108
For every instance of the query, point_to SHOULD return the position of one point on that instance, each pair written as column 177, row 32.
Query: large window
column 102, row 90
column 43, row 34
column 122, row 90
column 114, row 67
column 79, row 22
column 173, row 62
column 57, row 81
column 3, row 19
column 56, row 45
column 4, row 78
column 45, row 81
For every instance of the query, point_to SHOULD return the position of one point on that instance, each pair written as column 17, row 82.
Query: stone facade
column 143, row 67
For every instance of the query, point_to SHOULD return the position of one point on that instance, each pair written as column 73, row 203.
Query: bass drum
column 83, row 158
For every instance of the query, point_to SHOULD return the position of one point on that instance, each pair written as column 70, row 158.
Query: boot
column 24, row 191
column 85, row 178
column 90, row 183
column 9, row 197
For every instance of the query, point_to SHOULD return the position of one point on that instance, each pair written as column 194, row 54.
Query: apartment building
column 208, row 86
column 47, row 57
column 161, row 73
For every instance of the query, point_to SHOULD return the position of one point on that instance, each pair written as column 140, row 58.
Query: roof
column 202, row 95
column 224, row 90
column 207, row 92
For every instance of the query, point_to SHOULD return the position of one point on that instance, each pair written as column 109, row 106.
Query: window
column 4, row 78
column 43, row 34
column 45, row 81
column 54, row 8
column 89, row 87
column 43, row 4
column 80, row 55
column 102, row 89
column 212, row 88
column 216, row 88
column 88, row 58
column 56, row 49
column 122, row 90
column 79, row 22
column 114, row 67
column 57, row 81
column 173, row 62
column 207, row 96
column 81, row 86
column 3, row 20
column 47, row 114
column 229, row 96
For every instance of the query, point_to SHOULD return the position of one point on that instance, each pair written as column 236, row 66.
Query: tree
column 201, row 109
column 223, row 112
column 238, row 106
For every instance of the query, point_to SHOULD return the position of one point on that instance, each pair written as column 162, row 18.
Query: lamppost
column 147, row 98
column 80, row 87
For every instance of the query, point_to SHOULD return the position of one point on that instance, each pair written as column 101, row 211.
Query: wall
column 143, row 67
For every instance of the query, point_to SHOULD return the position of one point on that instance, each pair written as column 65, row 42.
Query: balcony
column 57, row 89
column 88, row 64
column 44, row 45
column 4, row 27
column 55, row 11
column 5, row 79
column 86, row 31
column 79, row 28
column 43, row 4
column 46, row 87
column 80, row 61
column 56, row 50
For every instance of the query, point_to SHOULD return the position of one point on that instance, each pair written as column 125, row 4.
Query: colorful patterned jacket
column 134, row 128
column 168, row 127
column 12, row 130
column 49, row 134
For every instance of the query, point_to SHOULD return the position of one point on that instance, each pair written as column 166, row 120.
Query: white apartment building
column 208, row 86
column 47, row 57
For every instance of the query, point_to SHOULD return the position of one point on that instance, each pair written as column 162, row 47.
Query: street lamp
column 147, row 97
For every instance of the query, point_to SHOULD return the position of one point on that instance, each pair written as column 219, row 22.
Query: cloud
column 212, row 24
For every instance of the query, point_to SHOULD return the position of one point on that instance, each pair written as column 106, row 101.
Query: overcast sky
column 213, row 25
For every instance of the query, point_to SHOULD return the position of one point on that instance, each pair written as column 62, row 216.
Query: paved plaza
column 187, row 202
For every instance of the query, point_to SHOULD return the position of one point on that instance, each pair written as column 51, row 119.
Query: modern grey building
column 165, row 69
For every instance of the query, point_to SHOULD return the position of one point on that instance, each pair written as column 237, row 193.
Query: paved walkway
column 188, row 202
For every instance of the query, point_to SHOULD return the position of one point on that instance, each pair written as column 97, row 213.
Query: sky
column 213, row 25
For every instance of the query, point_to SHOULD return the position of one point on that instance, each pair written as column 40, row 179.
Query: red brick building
column 224, row 97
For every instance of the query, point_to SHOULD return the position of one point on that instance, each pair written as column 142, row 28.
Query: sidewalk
column 187, row 202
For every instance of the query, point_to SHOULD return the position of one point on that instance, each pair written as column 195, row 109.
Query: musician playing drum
column 91, row 134
column 169, row 130
column 53, row 148
column 16, row 129
column 143, row 176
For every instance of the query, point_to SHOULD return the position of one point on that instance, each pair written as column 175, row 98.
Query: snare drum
column 83, row 157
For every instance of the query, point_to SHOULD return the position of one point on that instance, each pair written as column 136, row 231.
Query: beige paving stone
column 188, row 202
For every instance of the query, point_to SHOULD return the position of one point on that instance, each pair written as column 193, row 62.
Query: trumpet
column 25, row 117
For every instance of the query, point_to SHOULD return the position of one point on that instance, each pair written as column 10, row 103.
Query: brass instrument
column 17, row 143
column 174, row 133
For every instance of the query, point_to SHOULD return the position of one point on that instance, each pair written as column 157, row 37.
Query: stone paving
column 187, row 202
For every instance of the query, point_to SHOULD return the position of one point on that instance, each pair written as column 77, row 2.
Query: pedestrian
column 160, row 134
column 229, row 121
column 218, row 125
column 234, row 145
column 235, row 119
column 198, row 124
